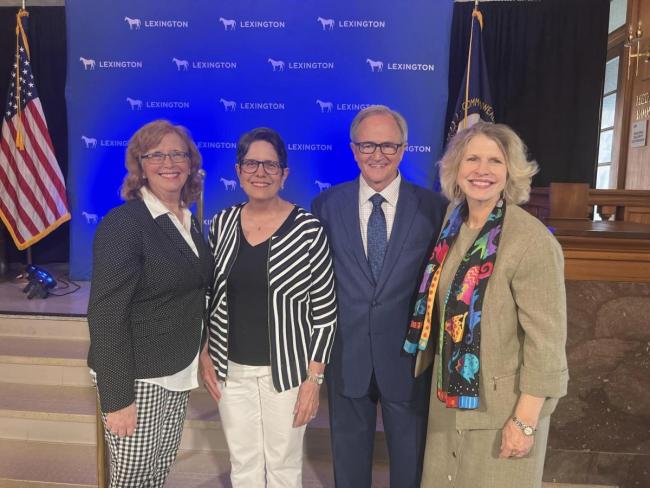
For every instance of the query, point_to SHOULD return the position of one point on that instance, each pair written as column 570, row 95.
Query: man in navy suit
column 381, row 228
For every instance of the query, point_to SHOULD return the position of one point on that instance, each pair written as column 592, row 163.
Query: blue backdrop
column 303, row 67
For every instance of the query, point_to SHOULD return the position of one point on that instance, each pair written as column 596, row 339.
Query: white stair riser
column 45, row 327
column 44, row 374
column 199, row 438
column 82, row 431
column 50, row 430
column 196, row 435
column 4, row 483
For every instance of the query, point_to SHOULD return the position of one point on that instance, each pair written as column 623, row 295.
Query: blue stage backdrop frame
column 221, row 68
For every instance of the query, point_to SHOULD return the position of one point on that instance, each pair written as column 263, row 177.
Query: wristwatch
column 315, row 378
column 526, row 429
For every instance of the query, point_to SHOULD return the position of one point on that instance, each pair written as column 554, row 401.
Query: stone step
column 44, row 361
column 44, row 326
column 66, row 414
column 195, row 469
column 30, row 464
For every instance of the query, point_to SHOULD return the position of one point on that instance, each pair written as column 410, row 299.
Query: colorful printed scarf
column 460, row 330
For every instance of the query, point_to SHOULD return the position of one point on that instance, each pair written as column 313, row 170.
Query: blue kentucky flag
column 474, row 100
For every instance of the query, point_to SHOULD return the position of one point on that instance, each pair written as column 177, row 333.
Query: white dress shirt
column 389, row 205
column 185, row 379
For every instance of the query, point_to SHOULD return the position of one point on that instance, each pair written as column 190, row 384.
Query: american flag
column 32, row 192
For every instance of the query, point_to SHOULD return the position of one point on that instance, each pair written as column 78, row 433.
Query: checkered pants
column 144, row 458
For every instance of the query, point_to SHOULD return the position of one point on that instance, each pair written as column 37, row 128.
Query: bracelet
column 315, row 378
column 526, row 429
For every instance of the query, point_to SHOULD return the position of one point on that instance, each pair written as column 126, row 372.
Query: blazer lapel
column 407, row 205
column 349, row 209
column 205, row 259
column 170, row 230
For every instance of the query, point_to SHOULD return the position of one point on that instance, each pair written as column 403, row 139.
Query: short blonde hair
column 520, row 170
column 147, row 137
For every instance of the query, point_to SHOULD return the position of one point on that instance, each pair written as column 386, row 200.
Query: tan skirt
column 470, row 458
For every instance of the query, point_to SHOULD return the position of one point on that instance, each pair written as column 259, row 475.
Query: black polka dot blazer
column 147, row 300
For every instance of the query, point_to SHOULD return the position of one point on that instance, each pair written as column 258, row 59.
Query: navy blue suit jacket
column 373, row 318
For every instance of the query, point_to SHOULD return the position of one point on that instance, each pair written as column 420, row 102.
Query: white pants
column 258, row 423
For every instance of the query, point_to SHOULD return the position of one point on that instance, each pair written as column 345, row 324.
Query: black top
column 248, row 302
column 248, row 290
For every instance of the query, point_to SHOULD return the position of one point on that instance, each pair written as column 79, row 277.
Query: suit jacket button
column 374, row 303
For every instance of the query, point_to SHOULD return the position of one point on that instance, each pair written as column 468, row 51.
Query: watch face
column 528, row 430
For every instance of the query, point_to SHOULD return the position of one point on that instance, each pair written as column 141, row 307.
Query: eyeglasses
column 386, row 148
column 158, row 158
column 251, row 166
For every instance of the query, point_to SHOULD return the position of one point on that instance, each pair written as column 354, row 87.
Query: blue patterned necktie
column 377, row 236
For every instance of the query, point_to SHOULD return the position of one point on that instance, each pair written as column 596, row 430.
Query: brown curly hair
column 147, row 137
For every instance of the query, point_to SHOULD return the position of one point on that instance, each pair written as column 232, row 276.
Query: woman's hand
column 306, row 403
column 208, row 374
column 514, row 443
column 122, row 422
column 308, row 396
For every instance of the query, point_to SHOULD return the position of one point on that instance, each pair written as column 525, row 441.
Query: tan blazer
column 523, row 326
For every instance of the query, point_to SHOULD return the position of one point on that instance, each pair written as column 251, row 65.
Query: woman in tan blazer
column 491, row 308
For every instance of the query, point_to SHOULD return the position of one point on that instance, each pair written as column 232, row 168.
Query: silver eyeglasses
column 158, row 158
column 386, row 148
column 250, row 166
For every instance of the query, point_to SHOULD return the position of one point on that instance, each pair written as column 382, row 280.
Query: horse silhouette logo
column 322, row 185
column 228, row 105
column 87, row 63
column 181, row 64
column 133, row 23
column 135, row 104
column 91, row 218
column 276, row 64
column 375, row 65
column 325, row 106
column 229, row 185
column 90, row 142
column 228, row 24
column 328, row 24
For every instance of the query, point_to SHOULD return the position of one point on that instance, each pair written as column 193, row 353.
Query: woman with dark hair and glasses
column 151, row 269
column 272, row 313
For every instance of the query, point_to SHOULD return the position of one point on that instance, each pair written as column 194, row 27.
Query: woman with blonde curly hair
column 151, row 269
column 491, row 309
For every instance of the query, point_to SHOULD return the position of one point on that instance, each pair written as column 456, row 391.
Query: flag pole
column 469, row 65
column 19, row 142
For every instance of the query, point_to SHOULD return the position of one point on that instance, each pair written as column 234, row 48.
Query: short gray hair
column 379, row 110
column 520, row 170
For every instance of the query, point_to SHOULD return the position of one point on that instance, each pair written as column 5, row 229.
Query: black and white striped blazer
column 302, row 300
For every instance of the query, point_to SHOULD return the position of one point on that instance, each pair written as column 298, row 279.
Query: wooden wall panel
column 638, row 158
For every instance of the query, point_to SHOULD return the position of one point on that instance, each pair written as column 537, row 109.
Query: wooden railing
column 617, row 248
column 577, row 201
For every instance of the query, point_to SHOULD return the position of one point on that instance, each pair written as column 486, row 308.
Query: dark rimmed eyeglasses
column 158, row 158
column 250, row 166
column 386, row 148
